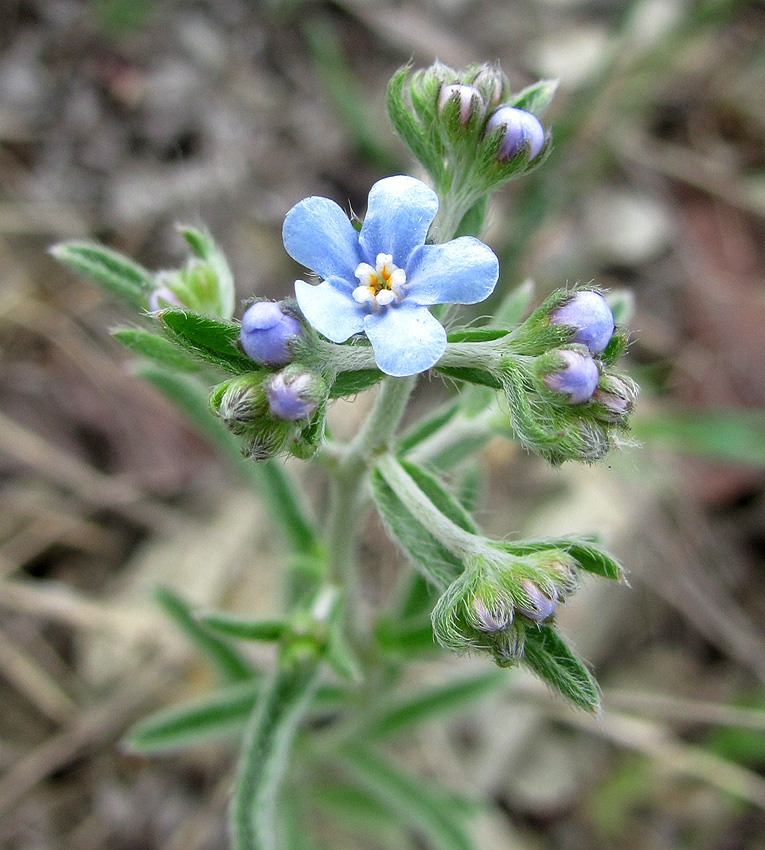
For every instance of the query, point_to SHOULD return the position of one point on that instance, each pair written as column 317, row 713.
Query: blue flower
column 380, row 281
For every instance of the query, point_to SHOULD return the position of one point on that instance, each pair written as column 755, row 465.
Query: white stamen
column 364, row 295
column 379, row 286
column 385, row 297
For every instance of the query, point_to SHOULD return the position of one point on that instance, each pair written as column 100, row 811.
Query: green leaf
column 156, row 348
column 515, row 305
column 430, row 813
column 222, row 655
column 113, row 272
column 433, row 559
column 588, row 554
column 269, row 479
column 403, row 714
column 476, row 334
column 244, row 628
column 470, row 376
column 357, row 811
column 207, row 338
column 735, row 436
column 204, row 246
column 283, row 703
column 536, row 97
column 426, row 427
column 547, row 655
column 220, row 714
column 440, row 496
column 352, row 383
column 407, row 638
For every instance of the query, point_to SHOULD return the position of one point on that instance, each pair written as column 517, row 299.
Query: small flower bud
column 163, row 297
column 490, row 619
column 589, row 312
column 266, row 333
column 469, row 99
column 492, row 82
column 508, row 648
column 538, row 606
column 240, row 403
column 294, row 394
column 521, row 129
column 577, row 378
column 615, row 398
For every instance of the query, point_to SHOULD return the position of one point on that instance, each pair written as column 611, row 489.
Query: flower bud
column 615, row 398
column 266, row 333
column 577, row 378
column 294, row 394
column 240, row 403
column 492, row 82
column 508, row 647
column 163, row 297
column 537, row 606
column 491, row 618
column 468, row 98
column 590, row 314
column 521, row 129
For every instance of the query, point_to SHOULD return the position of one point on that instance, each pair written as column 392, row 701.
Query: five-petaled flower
column 380, row 281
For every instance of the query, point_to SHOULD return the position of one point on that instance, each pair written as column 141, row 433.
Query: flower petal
column 463, row 271
column 398, row 216
column 330, row 309
column 406, row 340
column 318, row 234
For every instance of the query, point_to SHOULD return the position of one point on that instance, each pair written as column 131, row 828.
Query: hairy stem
column 265, row 752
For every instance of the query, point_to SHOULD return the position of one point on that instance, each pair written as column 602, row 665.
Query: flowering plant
column 549, row 381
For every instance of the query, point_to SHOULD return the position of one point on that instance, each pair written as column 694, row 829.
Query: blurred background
column 119, row 118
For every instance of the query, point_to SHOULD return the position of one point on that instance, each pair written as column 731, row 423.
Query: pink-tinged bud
column 163, row 297
column 491, row 619
column 469, row 100
column 521, row 129
column 293, row 395
column 266, row 333
column 539, row 606
column 577, row 379
column 590, row 314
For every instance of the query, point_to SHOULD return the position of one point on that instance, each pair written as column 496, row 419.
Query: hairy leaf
column 156, row 348
column 547, row 655
column 207, row 338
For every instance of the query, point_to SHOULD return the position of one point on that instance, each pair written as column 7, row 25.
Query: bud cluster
column 565, row 400
column 273, row 411
column 501, row 594
column 467, row 129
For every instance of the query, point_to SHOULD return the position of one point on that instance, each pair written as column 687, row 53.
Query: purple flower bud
column 266, row 332
column 539, row 606
column 521, row 129
column 491, row 619
column 589, row 312
column 292, row 395
column 163, row 297
column 468, row 98
column 577, row 379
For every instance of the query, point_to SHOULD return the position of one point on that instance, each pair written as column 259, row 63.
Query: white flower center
column 381, row 285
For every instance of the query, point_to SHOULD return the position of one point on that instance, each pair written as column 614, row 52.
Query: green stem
column 458, row 541
column 376, row 435
column 265, row 750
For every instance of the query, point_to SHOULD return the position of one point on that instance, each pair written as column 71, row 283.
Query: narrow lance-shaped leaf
column 204, row 246
column 113, row 272
column 547, row 655
column 433, row 815
column 209, row 339
column 221, row 654
column 219, row 714
column 244, row 628
column 265, row 753
column 156, row 348
column 352, row 383
column 402, row 714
